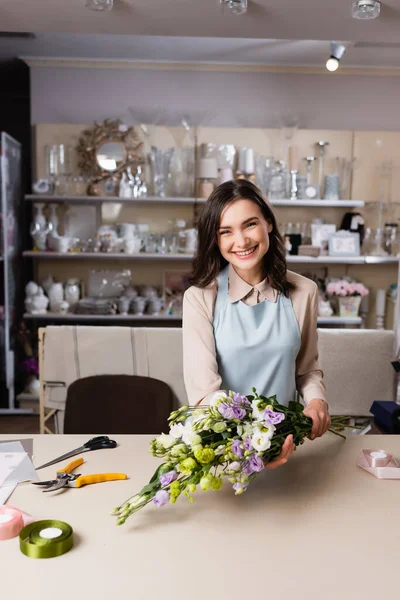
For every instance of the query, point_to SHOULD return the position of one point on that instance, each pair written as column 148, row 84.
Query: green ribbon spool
column 49, row 544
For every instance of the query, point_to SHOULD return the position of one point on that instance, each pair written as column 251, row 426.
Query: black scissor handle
column 102, row 441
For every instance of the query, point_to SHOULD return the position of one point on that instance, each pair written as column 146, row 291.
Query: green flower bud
column 186, row 466
column 219, row 427
column 216, row 483
column 191, row 487
column 205, row 456
column 178, row 450
column 197, row 447
column 205, row 483
column 195, row 440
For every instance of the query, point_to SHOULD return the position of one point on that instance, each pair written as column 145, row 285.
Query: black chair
column 118, row 404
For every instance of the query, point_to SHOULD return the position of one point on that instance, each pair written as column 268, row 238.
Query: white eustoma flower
column 217, row 398
column 257, row 413
column 177, row 431
column 234, row 466
column 245, row 430
column 166, row 441
column 190, row 438
column 261, row 439
column 219, row 451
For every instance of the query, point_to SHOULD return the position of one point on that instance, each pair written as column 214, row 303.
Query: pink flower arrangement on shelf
column 346, row 288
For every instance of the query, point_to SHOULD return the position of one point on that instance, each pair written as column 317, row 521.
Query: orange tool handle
column 71, row 466
column 98, row 478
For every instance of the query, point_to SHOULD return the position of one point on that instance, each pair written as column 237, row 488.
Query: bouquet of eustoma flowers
column 234, row 437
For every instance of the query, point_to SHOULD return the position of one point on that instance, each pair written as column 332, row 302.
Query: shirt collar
column 239, row 289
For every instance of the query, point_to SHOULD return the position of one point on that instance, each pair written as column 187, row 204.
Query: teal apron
column 256, row 345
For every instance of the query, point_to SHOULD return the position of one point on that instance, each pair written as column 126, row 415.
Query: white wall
column 244, row 99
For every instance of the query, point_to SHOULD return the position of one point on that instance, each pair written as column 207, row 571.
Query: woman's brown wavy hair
column 208, row 260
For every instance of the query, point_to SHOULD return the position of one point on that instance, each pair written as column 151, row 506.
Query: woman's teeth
column 246, row 252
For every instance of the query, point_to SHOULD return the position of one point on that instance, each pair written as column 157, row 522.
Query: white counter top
column 317, row 528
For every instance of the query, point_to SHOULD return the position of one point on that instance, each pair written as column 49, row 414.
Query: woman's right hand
column 287, row 449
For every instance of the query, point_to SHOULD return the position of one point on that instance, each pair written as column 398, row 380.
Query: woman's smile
column 245, row 254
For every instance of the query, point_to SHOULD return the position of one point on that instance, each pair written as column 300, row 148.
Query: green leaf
column 164, row 468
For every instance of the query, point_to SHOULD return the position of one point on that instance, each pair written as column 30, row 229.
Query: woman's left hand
column 317, row 410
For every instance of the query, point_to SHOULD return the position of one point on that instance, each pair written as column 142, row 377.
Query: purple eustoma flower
column 272, row 417
column 241, row 401
column 228, row 411
column 239, row 486
column 239, row 413
column 168, row 478
column 247, row 468
column 161, row 498
column 254, row 464
column 247, row 444
column 236, row 448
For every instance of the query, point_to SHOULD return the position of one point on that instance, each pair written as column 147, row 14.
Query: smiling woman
column 247, row 320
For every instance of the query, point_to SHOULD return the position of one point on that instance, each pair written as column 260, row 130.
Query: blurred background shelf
column 178, row 200
column 103, row 199
column 79, row 318
column 337, row 260
column 106, row 256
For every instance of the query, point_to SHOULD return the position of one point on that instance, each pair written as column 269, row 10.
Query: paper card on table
column 15, row 464
column 11, row 455
column 6, row 491
column 26, row 443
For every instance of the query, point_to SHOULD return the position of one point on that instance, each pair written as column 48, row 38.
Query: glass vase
column 160, row 162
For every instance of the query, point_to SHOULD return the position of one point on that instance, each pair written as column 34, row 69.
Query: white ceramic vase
column 56, row 295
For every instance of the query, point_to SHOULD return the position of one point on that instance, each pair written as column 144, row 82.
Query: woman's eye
column 223, row 232
column 251, row 224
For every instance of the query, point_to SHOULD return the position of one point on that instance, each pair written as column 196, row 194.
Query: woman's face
column 243, row 237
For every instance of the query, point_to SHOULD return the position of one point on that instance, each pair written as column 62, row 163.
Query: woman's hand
column 317, row 410
column 286, row 450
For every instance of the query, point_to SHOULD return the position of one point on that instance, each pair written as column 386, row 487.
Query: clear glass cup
column 160, row 161
column 378, row 243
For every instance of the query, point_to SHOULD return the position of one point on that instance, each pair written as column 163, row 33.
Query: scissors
column 65, row 478
column 95, row 443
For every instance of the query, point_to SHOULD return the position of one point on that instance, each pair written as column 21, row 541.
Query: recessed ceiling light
column 235, row 7
column 99, row 4
column 366, row 9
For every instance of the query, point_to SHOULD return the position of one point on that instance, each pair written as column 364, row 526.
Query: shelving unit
column 351, row 260
column 106, row 199
column 72, row 317
column 158, row 259
column 105, row 256
column 177, row 200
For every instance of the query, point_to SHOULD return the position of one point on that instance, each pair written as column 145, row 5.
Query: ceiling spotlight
column 99, row 4
column 235, row 7
column 366, row 9
column 337, row 51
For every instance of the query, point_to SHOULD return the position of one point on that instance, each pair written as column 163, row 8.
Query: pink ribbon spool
column 378, row 458
column 12, row 521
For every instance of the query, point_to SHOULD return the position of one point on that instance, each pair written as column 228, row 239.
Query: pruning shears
column 65, row 478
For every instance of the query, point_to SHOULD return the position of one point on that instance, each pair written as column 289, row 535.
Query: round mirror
column 110, row 155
